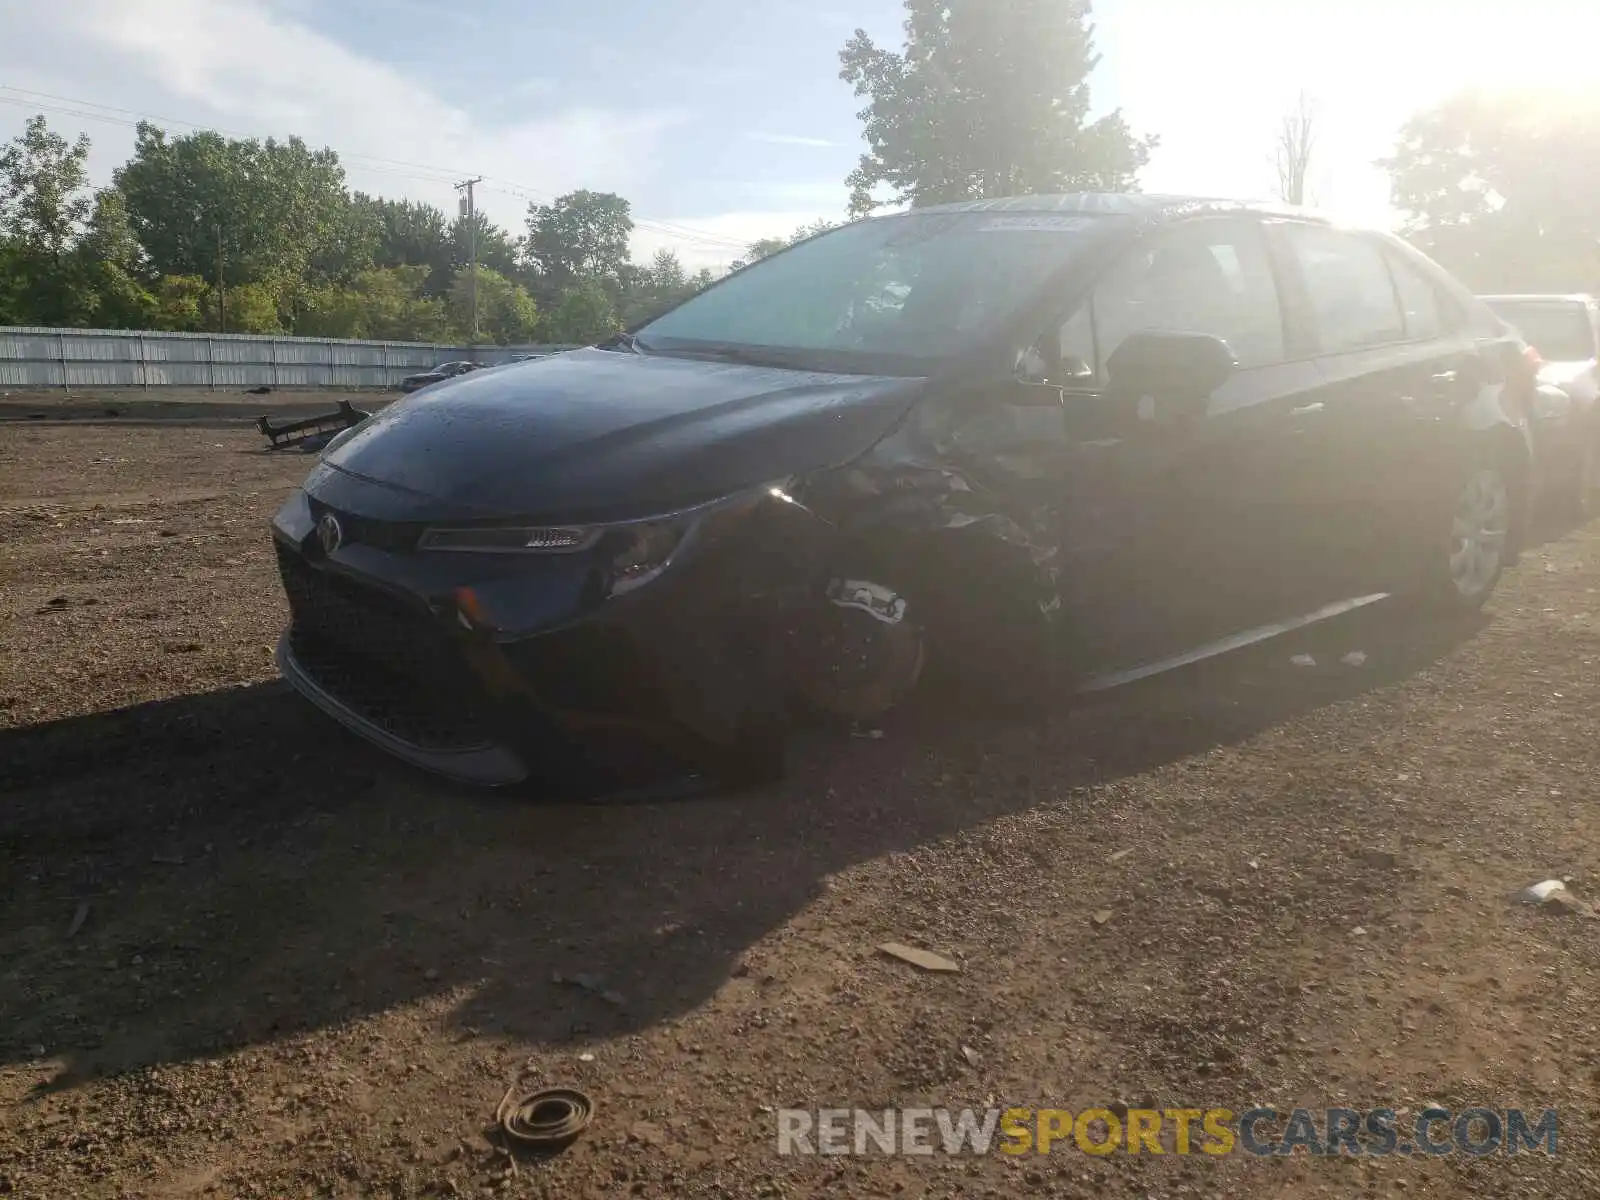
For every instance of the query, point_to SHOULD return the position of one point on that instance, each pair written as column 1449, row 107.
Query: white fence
column 117, row 358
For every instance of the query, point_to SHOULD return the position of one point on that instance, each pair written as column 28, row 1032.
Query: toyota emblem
column 329, row 533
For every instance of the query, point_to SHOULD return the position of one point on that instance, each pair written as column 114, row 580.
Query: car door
column 1382, row 431
column 1170, row 536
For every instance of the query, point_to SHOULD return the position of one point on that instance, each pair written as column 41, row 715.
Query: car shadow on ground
column 189, row 877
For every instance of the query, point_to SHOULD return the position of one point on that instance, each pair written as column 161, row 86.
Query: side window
column 1210, row 277
column 1419, row 302
column 1346, row 279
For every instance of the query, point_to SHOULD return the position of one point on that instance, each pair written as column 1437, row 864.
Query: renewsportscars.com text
column 1215, row 1131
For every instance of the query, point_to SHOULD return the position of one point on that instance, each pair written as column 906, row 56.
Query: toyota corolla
column 1034, row 443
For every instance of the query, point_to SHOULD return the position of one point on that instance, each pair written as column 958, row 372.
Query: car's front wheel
column 1464, row 570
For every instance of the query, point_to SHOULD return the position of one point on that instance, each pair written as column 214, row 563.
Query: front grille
column 397, row 537
column 374, row 653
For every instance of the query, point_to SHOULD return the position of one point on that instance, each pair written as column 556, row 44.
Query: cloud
column 245, row 67
column 789, row 139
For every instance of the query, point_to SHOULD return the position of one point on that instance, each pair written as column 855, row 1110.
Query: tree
column 411, row 235
column 988, row 98
column 756, row 251
column 247, row 307
column 766, row 247
column 110, row 265
column 43, row 202
column 1499, row 187
column 179, row 300
column 584, row 314
column 1291, row 155
column 582, row 236
column 279, row 207
column 497, row 250
column 507, row 315
column 651, row 290
column 386, row 303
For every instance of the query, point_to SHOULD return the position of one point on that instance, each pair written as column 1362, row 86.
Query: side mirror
column 1178, row 371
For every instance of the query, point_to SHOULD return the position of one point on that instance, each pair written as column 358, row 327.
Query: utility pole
column 222, row 288
column 470, row 212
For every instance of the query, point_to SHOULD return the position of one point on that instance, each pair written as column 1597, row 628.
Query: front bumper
column 487, row 765
column 528, row 681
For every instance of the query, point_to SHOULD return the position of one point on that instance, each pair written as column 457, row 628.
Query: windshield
column 1560, row 330
column 917, row 287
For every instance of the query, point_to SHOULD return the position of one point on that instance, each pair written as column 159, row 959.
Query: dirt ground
column 243, row 955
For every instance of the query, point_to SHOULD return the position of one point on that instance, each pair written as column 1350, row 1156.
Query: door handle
column 1305, row 410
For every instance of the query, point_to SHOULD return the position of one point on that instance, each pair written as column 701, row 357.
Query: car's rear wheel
column 1466, row 568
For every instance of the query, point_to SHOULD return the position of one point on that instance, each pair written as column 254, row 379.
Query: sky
column 724, row 121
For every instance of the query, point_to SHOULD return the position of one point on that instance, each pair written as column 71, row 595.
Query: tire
column 1474, row 551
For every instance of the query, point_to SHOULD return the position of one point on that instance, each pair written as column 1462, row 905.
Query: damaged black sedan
column 1035, row 444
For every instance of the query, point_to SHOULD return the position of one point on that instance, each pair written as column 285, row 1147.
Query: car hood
column 600, row 435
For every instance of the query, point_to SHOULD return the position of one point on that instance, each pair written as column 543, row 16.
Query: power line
column 366, row 162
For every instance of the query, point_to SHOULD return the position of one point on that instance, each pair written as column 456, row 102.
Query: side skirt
column 1237, row 641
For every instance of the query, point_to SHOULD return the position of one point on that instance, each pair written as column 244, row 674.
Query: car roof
column 1121, row 204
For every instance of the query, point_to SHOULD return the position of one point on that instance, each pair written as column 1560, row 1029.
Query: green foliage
column 411, row 235
column 42, row 182
column 179, row 300
column 651, row 290
column 299, row 253
column 496, row 249
column 988, row 98
column 767, row 247
column 582, row 236
column 248, row 308
column 278, row 208
column 387, row 304
column 506, row 313
column 583, row 315
column 1499, row 188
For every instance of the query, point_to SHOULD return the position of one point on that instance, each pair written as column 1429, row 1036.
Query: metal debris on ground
column 1303, row 660
column 925, row 959
column 1355, row 658
column 548, row 1119
column 311, row 432
column 78, row 918
column 1538, row 893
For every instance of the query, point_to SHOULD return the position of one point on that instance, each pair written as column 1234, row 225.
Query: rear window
column 1560, row 330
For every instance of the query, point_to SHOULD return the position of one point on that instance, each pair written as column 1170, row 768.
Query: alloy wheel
column 1479, row 532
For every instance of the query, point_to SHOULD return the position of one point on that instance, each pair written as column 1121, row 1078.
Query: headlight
column 644, row 551
column 635, row 552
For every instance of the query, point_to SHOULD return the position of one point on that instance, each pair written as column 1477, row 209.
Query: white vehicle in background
column 1564, row 335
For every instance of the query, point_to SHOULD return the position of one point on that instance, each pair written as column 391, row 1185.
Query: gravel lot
column 306, row 971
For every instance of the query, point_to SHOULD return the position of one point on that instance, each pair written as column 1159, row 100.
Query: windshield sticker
column 1033, row 222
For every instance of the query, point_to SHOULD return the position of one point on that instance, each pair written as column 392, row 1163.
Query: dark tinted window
column 1210, row 277
column 1419, row 302
column 1351, row 294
